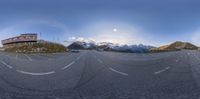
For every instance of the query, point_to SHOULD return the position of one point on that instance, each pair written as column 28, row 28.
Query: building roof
column 22, row 38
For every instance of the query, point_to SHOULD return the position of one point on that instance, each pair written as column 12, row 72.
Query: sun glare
column 114, row 29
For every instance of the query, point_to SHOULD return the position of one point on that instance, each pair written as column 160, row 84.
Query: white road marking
column 163, row 70
column 50, row 59
column 7, row 55
column 125, row 74
column 16, row 56
column 35, row 74
column 6, row 64
column 68, row 65
column 95, row 56
column 177, row 60
column 196, row 57
column 78, row 58
column 29, row 58
column 100, row 61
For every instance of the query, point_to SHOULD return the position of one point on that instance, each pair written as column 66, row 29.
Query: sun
column 114, row 29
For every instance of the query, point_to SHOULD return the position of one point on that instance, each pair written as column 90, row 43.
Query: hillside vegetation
column 38, row 48
column 178, row 45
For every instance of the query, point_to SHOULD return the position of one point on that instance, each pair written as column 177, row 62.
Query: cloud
column 196, row 38
column 125, row 34
column 81, row 39
column 33, row 25
column 7, row 33
column 103, row 32
column 73, row 39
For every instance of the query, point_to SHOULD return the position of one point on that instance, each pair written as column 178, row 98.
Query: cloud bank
column 196, row 37
column 114, row 32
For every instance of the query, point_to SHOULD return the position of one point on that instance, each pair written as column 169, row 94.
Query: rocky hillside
column 178, row 45
column 133, row 48
column 38, row 48
column 76, row 45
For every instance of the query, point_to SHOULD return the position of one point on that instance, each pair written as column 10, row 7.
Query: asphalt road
column 100, row 75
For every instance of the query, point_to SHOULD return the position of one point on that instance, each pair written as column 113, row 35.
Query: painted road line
column 100, row 61
column 94, row 56
column 177, row 60
column 16, row 56
column 6, row 55
column 78, row 58
column 29, row 58
column 121, row 73
column 196, row 57
column 68, row 65
column 50, row 59
column 35, row 74
column 163, row 70
column 6, row 64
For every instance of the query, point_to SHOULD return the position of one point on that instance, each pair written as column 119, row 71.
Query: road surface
column 100, row 75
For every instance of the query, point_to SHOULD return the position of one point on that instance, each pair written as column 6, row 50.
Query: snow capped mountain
column 76, row 45
column 111, row 47
column 133, row 48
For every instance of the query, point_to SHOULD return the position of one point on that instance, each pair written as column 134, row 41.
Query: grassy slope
column 38, row 48
column 175, row 46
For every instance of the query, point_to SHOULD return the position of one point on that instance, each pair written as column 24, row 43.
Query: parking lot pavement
column 103, row 75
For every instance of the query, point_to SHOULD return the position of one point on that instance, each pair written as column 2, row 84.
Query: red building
column 28, row 38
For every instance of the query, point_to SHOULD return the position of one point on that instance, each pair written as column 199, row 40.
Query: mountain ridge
column 140, row 48
column 177, row 45
column 107, row 46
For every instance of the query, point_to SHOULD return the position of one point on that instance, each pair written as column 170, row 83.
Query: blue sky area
column 151, row 22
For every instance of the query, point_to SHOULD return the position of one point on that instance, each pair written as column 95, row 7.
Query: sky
column 150, row 22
